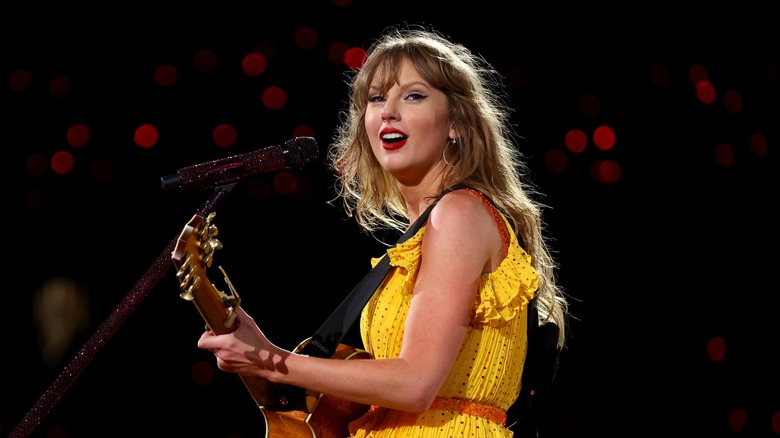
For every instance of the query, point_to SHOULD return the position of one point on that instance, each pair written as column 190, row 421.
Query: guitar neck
column 192, row 256
column 289, row 411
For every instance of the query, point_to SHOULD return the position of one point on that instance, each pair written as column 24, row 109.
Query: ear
column 453, row 133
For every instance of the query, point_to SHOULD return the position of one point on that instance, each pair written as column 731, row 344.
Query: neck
column 419, row 197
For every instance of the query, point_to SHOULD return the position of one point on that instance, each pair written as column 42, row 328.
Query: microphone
column 294, row 153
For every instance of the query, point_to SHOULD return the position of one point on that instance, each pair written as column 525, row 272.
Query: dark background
column 675, row 254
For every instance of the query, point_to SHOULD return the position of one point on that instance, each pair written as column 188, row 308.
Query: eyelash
column 413, row 96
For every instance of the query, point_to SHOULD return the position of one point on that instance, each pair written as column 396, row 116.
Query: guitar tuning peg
column 208, row 258
column 187, row 295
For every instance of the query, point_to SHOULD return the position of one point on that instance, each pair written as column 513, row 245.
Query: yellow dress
column 487, row 372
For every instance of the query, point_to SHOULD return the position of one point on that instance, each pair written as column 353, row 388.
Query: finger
column 205, row 340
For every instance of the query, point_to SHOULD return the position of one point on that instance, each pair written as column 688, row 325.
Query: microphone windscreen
column 301, row 151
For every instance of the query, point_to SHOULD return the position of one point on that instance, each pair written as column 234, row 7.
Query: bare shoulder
column 461, row 211
column 462, row 231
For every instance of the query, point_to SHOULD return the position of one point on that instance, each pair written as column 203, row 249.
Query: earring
column 450, row 141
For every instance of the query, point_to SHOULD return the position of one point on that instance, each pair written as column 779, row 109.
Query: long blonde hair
column 484, row 156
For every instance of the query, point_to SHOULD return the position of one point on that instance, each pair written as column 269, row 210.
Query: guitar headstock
column 192, row 256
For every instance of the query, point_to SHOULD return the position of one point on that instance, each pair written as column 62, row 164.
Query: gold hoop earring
column 450, row 141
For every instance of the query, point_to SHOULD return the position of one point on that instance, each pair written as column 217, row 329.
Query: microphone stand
column 109, row 327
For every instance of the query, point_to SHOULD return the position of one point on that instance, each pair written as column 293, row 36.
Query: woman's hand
column 245, row 350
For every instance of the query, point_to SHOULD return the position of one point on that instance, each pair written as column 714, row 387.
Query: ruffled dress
column 485, row 379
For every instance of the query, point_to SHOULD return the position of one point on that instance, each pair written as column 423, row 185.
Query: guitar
column 288, row 411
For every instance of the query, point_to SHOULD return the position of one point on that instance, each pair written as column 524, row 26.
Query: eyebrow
column 374, row 86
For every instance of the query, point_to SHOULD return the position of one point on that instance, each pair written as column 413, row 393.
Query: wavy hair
column 484, row 156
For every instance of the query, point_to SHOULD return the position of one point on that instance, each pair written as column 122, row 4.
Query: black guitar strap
column 328, row 337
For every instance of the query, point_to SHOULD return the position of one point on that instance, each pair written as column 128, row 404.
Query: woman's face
column 408, row 126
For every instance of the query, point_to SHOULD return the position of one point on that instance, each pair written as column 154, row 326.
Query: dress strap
column 498, row 214
column 497, row 217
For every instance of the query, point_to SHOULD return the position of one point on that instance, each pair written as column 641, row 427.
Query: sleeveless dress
column 485, row 379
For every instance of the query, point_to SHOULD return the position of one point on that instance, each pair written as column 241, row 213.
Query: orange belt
column 469, row 407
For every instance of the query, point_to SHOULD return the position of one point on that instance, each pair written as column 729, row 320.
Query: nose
column 389, row 112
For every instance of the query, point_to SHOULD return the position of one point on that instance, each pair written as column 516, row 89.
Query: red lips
column 394, row 145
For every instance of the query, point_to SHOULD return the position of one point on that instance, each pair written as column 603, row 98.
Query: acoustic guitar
column 288, row 411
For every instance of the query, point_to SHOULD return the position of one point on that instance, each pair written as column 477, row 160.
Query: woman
column 446, row 331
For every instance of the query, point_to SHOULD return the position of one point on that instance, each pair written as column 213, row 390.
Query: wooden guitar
column 288, row 411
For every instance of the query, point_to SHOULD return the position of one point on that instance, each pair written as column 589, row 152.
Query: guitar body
column 288, row 411
column 316, row 415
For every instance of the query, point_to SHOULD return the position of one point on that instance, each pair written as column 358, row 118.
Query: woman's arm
column 461, row 243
